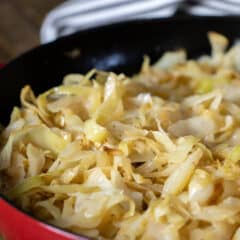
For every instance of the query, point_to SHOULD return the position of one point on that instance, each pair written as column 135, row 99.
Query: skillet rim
column 128, row 23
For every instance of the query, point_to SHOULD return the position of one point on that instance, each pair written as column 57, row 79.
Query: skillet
column 117, row 47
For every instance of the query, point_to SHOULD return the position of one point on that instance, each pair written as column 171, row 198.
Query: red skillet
column 118, row 47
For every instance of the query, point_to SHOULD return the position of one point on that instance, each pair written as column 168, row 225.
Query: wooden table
column 20, row 21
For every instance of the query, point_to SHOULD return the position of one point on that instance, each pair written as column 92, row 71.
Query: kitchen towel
column 74, row 15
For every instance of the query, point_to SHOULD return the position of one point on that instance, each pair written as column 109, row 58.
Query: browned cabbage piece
column 148, row 157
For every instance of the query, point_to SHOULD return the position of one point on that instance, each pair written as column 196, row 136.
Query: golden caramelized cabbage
column 154, row 156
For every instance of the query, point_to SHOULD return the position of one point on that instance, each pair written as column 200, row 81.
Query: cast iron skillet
column 118, row 47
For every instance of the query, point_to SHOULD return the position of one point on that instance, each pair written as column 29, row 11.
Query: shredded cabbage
column 154, row 156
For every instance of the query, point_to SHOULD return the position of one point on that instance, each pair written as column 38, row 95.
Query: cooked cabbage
column 153, row 156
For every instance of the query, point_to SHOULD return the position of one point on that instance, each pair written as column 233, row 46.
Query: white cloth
column 74, row 15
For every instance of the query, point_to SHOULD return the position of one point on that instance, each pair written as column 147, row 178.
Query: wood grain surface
column 20, row 22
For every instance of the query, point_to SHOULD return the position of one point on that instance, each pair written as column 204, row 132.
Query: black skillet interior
column 118, row 47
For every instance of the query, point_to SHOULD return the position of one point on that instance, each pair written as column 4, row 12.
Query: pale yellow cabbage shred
column 153, row 156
